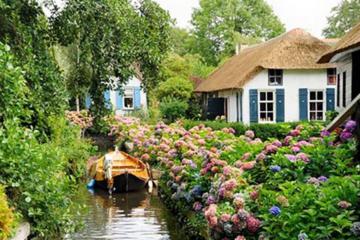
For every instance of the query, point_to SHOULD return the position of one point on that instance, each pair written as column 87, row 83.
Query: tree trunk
column 77, row 104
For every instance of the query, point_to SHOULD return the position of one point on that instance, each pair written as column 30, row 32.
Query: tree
column 217, row 22
column 343, row 18
column 24, row 27
column 129, row 35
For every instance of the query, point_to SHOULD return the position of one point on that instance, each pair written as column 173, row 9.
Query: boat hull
column 123, row 183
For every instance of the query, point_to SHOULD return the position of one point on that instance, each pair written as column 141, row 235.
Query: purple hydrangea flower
column 325, row 133
column 290, row 157
column 275, row 210
column 345, row 135
column 322, row 179
column 350, row 125
column 275, row 168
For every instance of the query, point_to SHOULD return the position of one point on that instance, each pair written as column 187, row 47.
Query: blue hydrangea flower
column 322, row 179
column 275, row 210
column 275, row 168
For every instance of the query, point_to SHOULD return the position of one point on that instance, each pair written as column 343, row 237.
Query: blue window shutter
column 137, row 97
column 253, row 93
column 107, row 99
column 119, row 101
column 303, row 104
column 330, row 99
column 87, row 102
column 280, row 105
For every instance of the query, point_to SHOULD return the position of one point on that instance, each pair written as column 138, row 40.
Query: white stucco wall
column 133, row 82
column 293, row 80
column 345, row 65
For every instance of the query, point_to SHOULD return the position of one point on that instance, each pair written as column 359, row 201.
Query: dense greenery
column 23, row 26
column 343, row 18
column 219, row 25
column 263, row 131
column 132, row 37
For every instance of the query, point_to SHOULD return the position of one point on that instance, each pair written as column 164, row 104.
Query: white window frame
column 261, row 101
column 317, row 101
column 276, row 76
column 133, row 97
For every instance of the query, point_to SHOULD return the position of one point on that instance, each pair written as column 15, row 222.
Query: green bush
column 262, row 131
column 171, row 109
column 176, row 87
column 6, row 216
column 41, row 178
column 311, row 209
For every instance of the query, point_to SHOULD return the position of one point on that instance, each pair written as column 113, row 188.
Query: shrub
column 172, row 109
column 40, row 178
column 176, row 88
column 6, row 216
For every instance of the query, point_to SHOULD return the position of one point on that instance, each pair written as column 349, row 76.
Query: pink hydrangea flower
column 260, row 157
column 344, row 204
column 303, row 157
column 248, row 165
column 277, row 143
column 295, row 149
column 240, row 237
column 225, row 217
column 250, row 134
column 246, row 156
column 295, row 132
column 271, row 148
column 253, row 224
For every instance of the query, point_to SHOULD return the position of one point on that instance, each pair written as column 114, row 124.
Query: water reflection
column 136, row 215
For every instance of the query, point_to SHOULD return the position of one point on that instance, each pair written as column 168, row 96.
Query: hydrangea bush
column 305, row 186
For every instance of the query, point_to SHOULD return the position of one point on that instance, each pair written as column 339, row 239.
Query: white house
column 275, row 81
column 132, row 98
column 346, row 54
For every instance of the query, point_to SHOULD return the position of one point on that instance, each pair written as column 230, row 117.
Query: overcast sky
column 307, row 14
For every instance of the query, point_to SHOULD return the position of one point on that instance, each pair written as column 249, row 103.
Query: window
column 316, row 102
column 275, row 77
column 331, row 76
column 344, row 89
column 338, row 91
column 129, row 99
column 266, row 106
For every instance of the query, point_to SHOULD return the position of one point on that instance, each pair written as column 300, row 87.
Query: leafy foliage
column 216, row 24
column 129, row 36
column 176, row 87
column 343, row 18
column 24, row 27
column 172, row 108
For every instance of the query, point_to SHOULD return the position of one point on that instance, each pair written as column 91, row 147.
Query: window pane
column 320, row 95
column 270, row 96
column 271, row 72
column 270, row 117
column 319, row 115
column 262, row 106
column 262, row 116
column 262, row 96
column 270, row 107
column 312, row 95
column 312, row 115
column 312, row 106
column 279, row 80
column 320, row 106
column 278, row 72
column 128, row 102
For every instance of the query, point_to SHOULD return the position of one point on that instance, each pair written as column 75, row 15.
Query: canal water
column 137, row 215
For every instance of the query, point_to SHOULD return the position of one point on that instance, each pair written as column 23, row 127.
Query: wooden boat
column 119, row 172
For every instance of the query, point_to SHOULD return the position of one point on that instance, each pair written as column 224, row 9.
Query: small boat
column 118, row 172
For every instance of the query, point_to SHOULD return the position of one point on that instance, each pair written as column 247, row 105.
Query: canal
column 136, row 215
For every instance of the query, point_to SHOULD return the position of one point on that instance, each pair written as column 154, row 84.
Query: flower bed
column 305, row 186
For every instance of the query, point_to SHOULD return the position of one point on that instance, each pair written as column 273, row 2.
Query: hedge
column 262, row 131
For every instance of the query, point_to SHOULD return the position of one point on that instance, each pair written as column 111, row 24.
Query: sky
column 307, row 14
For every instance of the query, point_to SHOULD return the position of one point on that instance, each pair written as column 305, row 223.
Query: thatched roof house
column 346, row 55
column 277, row 69
column 295, row 49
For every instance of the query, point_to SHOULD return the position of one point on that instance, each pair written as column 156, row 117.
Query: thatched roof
column 196, row 81
column 349, row 41
column 295, row 49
